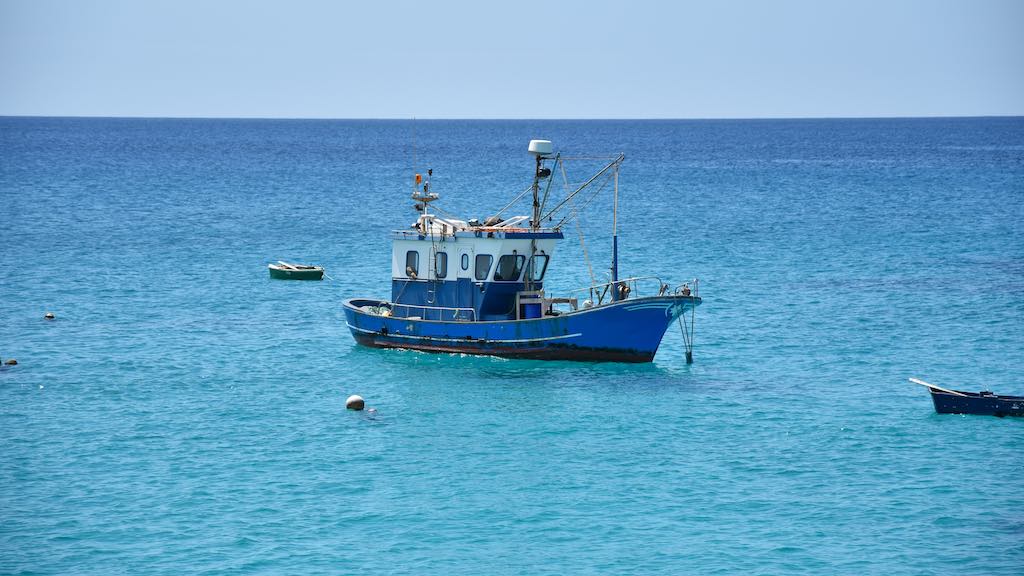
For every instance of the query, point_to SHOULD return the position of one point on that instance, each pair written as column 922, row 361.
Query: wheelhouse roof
column 484, row 232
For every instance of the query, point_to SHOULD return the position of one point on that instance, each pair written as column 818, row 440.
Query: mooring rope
column 687, row 330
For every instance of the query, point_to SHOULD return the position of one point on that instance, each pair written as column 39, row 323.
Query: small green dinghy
column 286, row 271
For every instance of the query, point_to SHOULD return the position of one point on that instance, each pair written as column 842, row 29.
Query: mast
column 423, row 200
column 615, row 237
column 540, row 149
column 535, row 221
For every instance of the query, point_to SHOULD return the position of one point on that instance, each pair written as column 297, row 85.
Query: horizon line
column 523, row 119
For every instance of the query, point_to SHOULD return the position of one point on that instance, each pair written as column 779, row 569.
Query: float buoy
column 355, row 402
column 49, row 316
column 11, row 362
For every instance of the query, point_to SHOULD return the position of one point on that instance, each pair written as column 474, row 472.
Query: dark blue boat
column 478, row 288
column 984, row 403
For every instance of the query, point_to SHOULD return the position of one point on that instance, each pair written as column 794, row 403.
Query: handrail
column 693, row 292
column 456, row 310
column 601, row 290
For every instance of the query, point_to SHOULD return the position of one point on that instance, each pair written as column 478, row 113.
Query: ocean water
column 185, row 414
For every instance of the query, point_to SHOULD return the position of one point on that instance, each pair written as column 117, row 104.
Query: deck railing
column 634, row 287
column 638, row 286
column 456, row 313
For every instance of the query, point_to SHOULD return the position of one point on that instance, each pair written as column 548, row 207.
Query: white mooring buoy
column 49, row 316
column 355, row 402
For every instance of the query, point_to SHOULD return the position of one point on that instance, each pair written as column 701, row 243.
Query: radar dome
column 540, row 147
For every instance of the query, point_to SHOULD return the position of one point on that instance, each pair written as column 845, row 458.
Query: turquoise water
column 185, row 414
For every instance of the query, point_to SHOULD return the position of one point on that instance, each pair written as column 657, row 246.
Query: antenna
column 416, row 180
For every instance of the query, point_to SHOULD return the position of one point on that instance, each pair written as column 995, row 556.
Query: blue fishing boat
column 465, row 286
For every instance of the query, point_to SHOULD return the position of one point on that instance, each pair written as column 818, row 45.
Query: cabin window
column 483, row 266
column 538, row 265
column 465, row 261
column 440, row 264
column 412, row 263
column 509, row 267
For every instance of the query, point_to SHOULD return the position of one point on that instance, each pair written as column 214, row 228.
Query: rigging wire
column 575, row 213
column 579, row 227
column 618, row 160
column 445, row 212
column 514, row 200
column 586, row 258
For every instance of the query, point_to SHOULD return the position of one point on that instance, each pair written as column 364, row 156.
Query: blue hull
column 625, row 331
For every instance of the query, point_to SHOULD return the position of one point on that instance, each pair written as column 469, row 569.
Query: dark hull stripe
column 545, row 352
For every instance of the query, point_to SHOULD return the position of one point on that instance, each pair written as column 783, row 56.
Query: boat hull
column 626, row 331
column 975, row 403
column 278, row 273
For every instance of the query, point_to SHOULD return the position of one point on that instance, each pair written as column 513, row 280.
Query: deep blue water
column 185, row 414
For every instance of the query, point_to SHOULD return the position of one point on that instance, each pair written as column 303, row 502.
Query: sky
column 516, row 59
